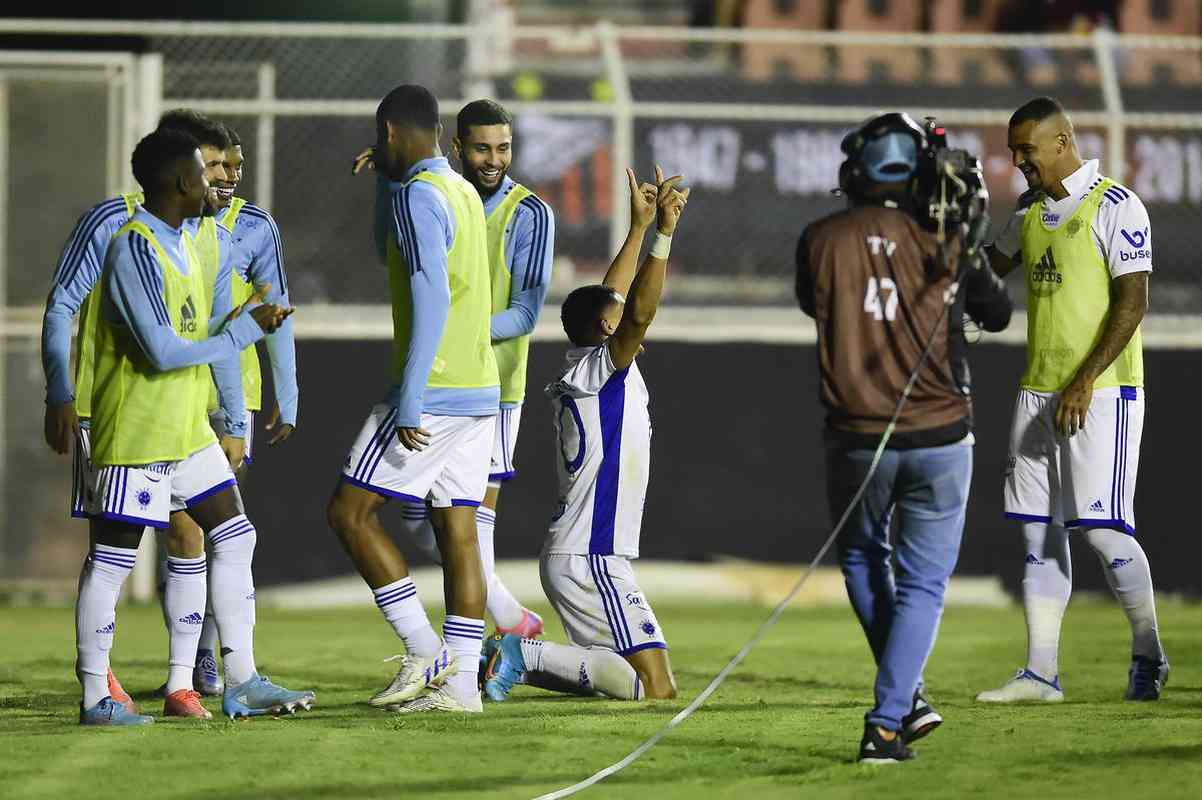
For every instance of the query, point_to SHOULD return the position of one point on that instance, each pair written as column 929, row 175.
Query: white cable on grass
column 767, row 624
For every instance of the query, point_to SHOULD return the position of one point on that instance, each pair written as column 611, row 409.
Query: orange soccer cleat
column 119, row 695
column 185, row 703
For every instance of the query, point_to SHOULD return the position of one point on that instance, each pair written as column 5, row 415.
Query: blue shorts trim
column 115, row 517
column 646, row 646
column 1113, row 524
column 469, row 503
column 80, row 514
column 381, row 490
column 191, row 501
column 502, row 476
column 1027, row 517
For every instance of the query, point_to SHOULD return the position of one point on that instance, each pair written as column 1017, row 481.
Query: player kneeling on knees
column 600, row 403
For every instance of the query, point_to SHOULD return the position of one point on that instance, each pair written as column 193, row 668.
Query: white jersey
column 603, row 430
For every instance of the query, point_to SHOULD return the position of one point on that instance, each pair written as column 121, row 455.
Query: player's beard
column 476, row 179
column 209, row 207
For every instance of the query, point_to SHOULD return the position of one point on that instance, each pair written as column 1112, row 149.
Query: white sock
column 1130, row 578
column 187, row 588
column 209, row 630
column 464, row 637
column 591, row 670
column 415, row 523
column 104, row 571
column 486, row 522
column 400, row 605
column 162, row 584
column 1047, row 585
column 232, row 545
column 505, row 609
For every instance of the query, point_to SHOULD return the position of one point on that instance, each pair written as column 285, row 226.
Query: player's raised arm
column 642, row 212
column 648, row 285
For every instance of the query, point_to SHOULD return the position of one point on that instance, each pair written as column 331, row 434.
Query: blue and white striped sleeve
column 227, row 372
column 77, row 272
column 135, row 287
column 267, row 266
column 425, row 230
column 533, row 250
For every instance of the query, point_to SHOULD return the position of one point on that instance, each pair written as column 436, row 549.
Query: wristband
column 662, row 246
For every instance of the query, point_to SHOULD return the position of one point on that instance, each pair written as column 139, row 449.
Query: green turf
column 786, row 724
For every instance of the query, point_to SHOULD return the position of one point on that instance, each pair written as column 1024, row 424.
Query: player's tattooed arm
column 1129, row 302
column 642, row 213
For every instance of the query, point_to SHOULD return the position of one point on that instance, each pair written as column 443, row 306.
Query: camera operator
column 888, row 282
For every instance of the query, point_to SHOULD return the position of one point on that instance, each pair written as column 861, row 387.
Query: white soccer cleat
column 415, row 676
column 441, row 699
column 1025, row 686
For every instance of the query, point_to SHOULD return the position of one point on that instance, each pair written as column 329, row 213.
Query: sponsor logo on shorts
column 1097, row 507
column 635, row 599
column 1034, row 560
column 1119, row 562
column 194, row 618
column 143, row 497
column 647, row 627
column 1010, row 463
column 584, row 679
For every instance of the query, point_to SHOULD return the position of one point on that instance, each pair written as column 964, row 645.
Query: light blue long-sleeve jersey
column 136, row 301
column 258, row 258
column 424, row 228
column 529, row 251
column 77, row 272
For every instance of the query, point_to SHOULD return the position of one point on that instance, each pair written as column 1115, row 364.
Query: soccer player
column 603, row 462
column 431, row 437
column 153, row 451
column 249, row 236
column 1085, row 245
column 68, row 411
column 521, row 242
column 876, row 282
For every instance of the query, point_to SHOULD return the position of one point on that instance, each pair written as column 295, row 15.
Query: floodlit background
column 749, row 99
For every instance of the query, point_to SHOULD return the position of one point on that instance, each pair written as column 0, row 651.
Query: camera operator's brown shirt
column 871, row 279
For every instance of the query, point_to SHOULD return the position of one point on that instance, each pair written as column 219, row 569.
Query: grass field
column 786, row 724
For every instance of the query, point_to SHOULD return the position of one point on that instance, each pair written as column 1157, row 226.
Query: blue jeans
column 900, row 616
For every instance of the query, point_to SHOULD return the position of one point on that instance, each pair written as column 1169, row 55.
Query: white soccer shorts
column 83, row 478
column 217, row 423
column 599, row 602
column 451, row 471
column 505, row 441
column 148, row 494
column 1083, row 481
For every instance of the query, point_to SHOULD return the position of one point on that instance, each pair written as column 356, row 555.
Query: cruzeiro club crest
column 187, row 316
column 144, row 499
column 1044, row 277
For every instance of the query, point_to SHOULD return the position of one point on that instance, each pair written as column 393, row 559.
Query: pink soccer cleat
column 531, row 626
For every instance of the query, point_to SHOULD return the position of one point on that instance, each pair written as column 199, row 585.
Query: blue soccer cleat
column 506, row 667
column 259, row 696
column 206, row 678
column 110, row 712
column 1146, row 678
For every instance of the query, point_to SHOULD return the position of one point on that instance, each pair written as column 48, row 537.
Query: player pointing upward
column 604, row 436
column 1085, row 245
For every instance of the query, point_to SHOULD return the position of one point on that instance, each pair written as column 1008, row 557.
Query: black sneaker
column 875, row 750
column 1146, row 678
column 921, row 720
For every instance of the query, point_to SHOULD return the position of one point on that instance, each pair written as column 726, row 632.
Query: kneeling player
column 604, row 431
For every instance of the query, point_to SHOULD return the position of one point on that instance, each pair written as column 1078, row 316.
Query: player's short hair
column 481, row 112
column 235, row 139
column 409, row 104
column 157, row 154
column 206, row 132
column 1036, row 110
column 581, row 310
